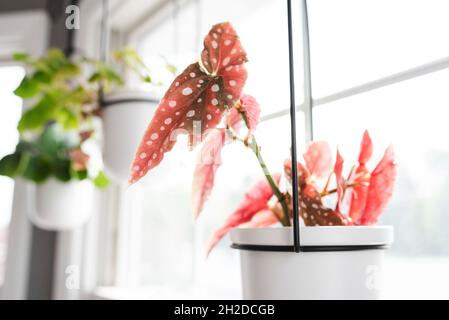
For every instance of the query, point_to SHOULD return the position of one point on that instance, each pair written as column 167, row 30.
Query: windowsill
column 404, row 278
column 161, row 293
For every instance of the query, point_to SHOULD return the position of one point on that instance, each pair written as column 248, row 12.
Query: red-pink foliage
column 256, row 200
column 196, row 100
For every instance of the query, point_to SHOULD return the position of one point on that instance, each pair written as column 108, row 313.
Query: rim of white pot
column 315, row 236
column 129, row 95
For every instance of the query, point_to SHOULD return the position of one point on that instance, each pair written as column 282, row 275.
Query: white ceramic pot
column 126, row 115
column 62, row 206
column 351, row 268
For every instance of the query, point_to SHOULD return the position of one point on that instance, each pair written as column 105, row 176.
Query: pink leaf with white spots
column 256, row 199
column 318, row 157
column 380, row 187
column 196, row 100
column 313, row 211
column 209, row 159
column 311, row 208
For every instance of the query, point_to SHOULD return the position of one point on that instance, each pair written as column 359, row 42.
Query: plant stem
column 349, row 185
column 256, row 149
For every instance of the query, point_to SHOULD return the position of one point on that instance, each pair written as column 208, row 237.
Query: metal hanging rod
column 296, row 229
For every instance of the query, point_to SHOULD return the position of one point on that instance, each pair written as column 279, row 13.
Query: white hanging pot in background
column 62, row 206
column 338, row 262
column 126, row 115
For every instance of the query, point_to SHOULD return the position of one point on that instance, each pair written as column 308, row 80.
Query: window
column 166, row 248
column 354, row 44
column 10, row 77
column 365, row 59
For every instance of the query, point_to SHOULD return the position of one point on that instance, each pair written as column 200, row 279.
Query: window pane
column 170, row 236
column 266, row 43
column 11, row 110
column 358, row 41
column 411, row 115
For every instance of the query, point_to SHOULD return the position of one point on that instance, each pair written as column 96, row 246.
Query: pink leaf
column 318, row 159
column 311, row 208
column 380, row 187
column 79, row 159
column 303, row 173
column 255, row 200
column 250, row 107
column 338, row 170
column 359, row 193
column 361, row 176
column 313, row 211
column 263, row 218
column 196, row 100
column 366, row 148
column 209, row 159
column 234, row 119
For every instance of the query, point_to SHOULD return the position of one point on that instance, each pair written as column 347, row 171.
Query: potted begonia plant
column 59, row 147
column 345, row 250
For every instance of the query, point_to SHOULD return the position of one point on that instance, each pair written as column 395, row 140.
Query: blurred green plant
column 64, row 99
column 54, row 153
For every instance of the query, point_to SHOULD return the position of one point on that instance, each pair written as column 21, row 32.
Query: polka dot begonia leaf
column 196, row 100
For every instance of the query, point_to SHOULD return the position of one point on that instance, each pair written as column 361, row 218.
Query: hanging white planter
column 125, row 118
column 338, row 262
column 62, row 206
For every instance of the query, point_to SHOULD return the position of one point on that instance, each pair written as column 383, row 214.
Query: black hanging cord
column 70, row 50
column 296, row 233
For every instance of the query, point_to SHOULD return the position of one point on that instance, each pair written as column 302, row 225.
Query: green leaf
column 101, row 181
column 111, row 75
column 38, row 169
column 171, row 68
column 67, row 118
column 25, row 146
column 129, row 57
column 38, row 115
column 54, row 55
column 54, row 143
column 68, row 70
column 80, row 175
column 42, row 77
column 94, row 77
column 62, row 169
column 147, row 79
column 20, row 56
column 27, row 88
column 9, row 165
column 55, row 59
